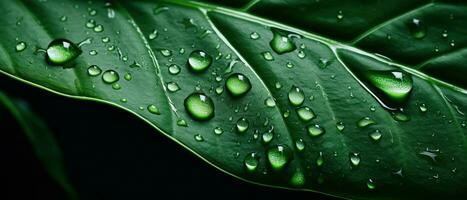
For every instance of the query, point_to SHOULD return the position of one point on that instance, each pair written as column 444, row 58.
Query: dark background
column 110, row 154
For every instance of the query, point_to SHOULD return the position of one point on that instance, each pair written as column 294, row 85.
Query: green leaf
column 42, row 140
column 349, row 112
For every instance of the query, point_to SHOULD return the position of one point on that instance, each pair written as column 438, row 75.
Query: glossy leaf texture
column 260, row 99
column 42, row 140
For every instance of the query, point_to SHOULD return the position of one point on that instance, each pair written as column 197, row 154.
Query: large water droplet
column 110, row 76
column 315, row 130
column 242, row 125
column 199, row 61
column 173, row 87
column 354, row 159
column 251, row 162
column 296, row 96
column 154, row 109
column 300, row 144
column 270, row 102
column 364, row 122
column 305, row 113
column 174, row 69
column 376, row 135
column 199, row 106
column 392, row 88
column 279, row 156
column 238, row 84
column 218, row 131
column 62, row 51
column 417, row 28
column 281, row 43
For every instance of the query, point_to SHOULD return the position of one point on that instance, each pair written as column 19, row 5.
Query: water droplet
column 444, row 34
column 278, row 85
column 93, row 52
column 340, row 15
column 99, row 28
column 123, row 100
column 376, row 135
column 166, row 52
column 296, row 96
column 340, row 126
column 279, row 156
column 90, row 23
column 417, row 28
column 154, row 109
column 268, row 136
column 432, row 154
column 94, row 70
column 370, row 184
column 251, row 162
column 173, row 87
column 270, row 102
column 323, row 63
column 105, row 39
column 174, row 69
column 305, row 113
column 300, row 144
column 286, row 114
column 400, row 116
column 423, row 107
column 281, row 43
column 315, row 130
column 92, row 12
column 63, row 18
column 320, row 159
column 62, row 51
column 182, row 122
column 20, row 46
column 218, row 131
column 116, row 86
column 153, row 35
column 199, row 106
column 301, row 54
column 199, row 61
column 297, row 179
column 289, row 65
column 354, row 159
column 128, row 77
column 237, row 84
column 199, row 138
column 242, row 125
column 110, row 76
column 267, row 56
column 254, row 36
column 219, row 90
column 364, row 122
column 392, row 88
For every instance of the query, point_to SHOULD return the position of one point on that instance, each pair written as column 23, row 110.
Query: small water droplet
column 128, row 77
column 376, row 135
column 110, row 76
column 279, row 156
column 153, row 35
column 296, row 96
column 423, row 107
column 340, row 15
column 153, row 109
column 297, row 179
column 199, row 106
column 173, row 87
column 174, row 69
column 286, row 114
column 251, row 162
column 242, row 125
column 237, row 84
column 268, row 136
column 105, row 40
column 300, row 144
column 305, row 113
column 430, row 153
column 315, row 130
column 218, row 131
column 63, row 18
column 444, row 34
column 198, row 138
column 320, row 159
column 219, row 90
column 354, row 159
column 199, row 60
column 370, row 184
column 400, row 116
column 289, row 65
column 94, row 70
column 116, row 86
column 166, row 52
column 270, row 102
column 20, row 46
column 281, row 43
column 92, row 12
column 364, row 122
column 182, row 122
column 267, row 56
column 90, row 23
column 62, row 51
column 340, row 126
column 301, row 54
column 417, row 28
column 93, row 52
column 278, row 85
column 452, row 43
column 254, row 35
column 98, row 28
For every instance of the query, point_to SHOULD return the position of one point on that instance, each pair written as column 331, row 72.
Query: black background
column 110, row 154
